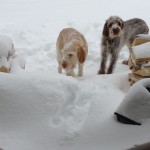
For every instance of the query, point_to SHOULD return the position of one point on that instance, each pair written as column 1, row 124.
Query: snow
column 143, row 36
column 136, row 104
column 41, row 109
column 142, row 51
column 17, row 64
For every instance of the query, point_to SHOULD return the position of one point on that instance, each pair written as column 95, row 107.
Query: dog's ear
column 81, row 54
column 106, row 30
column 122, row 24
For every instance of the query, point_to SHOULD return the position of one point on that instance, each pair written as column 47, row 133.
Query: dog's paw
column 125, row 62
column 101, row 72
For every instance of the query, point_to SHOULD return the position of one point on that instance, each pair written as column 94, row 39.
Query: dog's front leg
column 114, row 57
column 68, row 72
column 59, row 67
column 80, row 70
column 59, row 58
column 72, row 73
column 104, row 55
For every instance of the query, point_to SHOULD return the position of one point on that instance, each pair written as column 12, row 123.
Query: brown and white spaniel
column 71, row 49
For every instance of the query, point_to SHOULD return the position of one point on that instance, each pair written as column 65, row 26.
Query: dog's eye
column 119, row 24
column 70, row 55
column 110, row 25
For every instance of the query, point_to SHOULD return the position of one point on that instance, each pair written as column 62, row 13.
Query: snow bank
column 32, row 104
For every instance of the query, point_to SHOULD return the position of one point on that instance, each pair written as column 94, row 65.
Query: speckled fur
column 111, row 44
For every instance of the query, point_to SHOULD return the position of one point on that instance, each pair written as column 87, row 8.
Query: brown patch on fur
column 81, row 54
column 4, row 69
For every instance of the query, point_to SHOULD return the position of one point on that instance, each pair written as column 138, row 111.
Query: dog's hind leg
column 104, row 55
column 72, row 73
column 59, row 59
column 129, row 45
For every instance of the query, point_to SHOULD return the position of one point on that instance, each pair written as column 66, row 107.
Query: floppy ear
column 81, row 54
column 106, row 30
column 122, row 24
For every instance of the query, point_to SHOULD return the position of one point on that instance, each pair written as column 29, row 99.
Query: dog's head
column 113, row 27
column 71, row 55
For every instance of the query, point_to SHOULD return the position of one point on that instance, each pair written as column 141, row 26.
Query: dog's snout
column 116, row 30
column 64, row 64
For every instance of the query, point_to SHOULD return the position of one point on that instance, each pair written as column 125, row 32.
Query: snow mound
column 136, row 104
column 142, row 51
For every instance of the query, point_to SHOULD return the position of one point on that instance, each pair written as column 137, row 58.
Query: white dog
column 7, row 53
column 71, row 49
column 9, row 62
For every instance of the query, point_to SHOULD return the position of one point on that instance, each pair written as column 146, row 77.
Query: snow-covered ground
column 43, row 110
